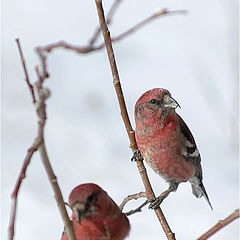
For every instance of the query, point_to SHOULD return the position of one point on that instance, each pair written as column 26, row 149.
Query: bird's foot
column 156, row 202
column 137, row 156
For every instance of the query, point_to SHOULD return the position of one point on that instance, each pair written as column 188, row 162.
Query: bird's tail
column 205, row 195
column 199, row 190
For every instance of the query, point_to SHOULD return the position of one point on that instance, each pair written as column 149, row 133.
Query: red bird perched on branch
column 95, row 215
column 167, row 144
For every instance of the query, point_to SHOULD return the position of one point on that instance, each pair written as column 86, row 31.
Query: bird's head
column 87, row 200
column 154, row 106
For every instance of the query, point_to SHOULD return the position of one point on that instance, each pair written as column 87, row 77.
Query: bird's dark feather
column 190, row 149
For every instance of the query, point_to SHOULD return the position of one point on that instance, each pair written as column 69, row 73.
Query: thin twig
column 41, row 50
column 25, row 71
column 138, row 209
column 20, row 178
column 131, row 197
column 163, row 12
column 11, row 227
column 220, row 225
column 116, row 81
column 109, row 17
column 135, row 197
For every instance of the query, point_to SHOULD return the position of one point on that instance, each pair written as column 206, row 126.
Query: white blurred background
column 195, row 56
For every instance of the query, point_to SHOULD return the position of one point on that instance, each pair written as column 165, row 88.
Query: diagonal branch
column 41, row 50
column 163, row 12
column 25, row 71
column 220, row 225
column 21, row 176
column 116, row 81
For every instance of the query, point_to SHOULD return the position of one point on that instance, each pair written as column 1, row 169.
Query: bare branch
column 135, row 197
column 154, row 16
column 44, row 74
column 20, row 178
column 220, row 225
column 25, row 71
column 90, row 48
column 116, row 81
column 130, row 197
column 108, row 20
column 138, row 209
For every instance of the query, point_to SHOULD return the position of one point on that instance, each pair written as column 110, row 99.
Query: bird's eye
column 153, row 101
column 91, row 197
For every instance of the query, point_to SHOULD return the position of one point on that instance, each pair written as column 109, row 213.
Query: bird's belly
column 167, row 161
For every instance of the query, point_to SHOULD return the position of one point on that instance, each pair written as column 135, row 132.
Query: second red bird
column 95, row 215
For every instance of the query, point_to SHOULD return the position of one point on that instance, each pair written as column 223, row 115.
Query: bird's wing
column 189, row 147
column 191, row 153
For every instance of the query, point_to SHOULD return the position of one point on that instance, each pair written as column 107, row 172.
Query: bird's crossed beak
column 170, row 102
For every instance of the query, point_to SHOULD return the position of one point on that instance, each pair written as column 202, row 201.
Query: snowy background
column 195, row 56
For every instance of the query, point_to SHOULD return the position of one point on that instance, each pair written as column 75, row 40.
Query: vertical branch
column 116, row 81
